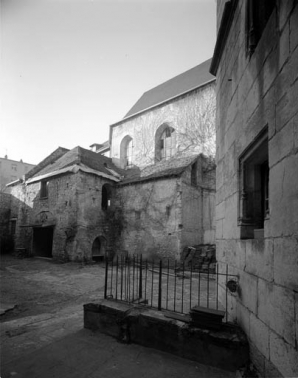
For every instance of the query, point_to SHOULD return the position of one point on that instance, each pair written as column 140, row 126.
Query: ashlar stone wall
column 254, row 92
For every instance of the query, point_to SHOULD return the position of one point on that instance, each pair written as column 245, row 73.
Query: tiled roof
column 176, row 86
column 81, row 156
column 164, row 168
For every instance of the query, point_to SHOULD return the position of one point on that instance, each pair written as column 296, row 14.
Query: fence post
column 159, row 285
column 140, row 279
column 106, row 279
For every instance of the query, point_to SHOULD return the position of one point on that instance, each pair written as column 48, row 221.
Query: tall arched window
column 165, row 142
column 126, row 152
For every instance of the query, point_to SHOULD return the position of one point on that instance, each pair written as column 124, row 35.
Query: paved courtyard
column 42, row 332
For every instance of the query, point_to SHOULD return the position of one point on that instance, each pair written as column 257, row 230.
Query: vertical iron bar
column 190, row 285
column 129, row 262
column 182, row 288
column 175, row 281
column 216, row 286
column 125, row 278
column 116, row 277
column 227, row 271
column 106, row 279
column 208, row 287
column 112, row 267
column 146, row 273
column 152, row 281
column 167, row 299
column 133, row 277
column 199, row 288
column 121, row 262
column 159, row 285
column 141, row 279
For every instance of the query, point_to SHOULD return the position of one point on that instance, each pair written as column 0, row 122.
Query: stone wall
column 152, row 214
column 252, row 93
column 73, row 208
column 183, row 114
column 163, row 216
column 6, row 239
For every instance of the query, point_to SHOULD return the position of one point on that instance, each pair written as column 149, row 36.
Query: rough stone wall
column 73, row 207
column 161, row 217
column 183, row 113
column 152, row 214
column 252, row 93
column 6, row 240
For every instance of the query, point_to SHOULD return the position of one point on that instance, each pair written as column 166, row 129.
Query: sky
column 71, row 68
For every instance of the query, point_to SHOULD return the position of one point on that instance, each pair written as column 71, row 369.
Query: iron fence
column 167, row 284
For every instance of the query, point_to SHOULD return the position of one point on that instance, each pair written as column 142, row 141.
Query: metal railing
column 167, row 284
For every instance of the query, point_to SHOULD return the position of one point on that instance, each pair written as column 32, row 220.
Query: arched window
column 126, row 152
column 165, row 142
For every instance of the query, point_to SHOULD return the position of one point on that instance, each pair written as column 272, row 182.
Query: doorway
column 98, row 249
column 43, row 241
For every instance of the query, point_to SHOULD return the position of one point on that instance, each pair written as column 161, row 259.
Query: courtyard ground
column 42, row 332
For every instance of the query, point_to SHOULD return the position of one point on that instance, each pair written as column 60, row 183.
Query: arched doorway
column 98, row 248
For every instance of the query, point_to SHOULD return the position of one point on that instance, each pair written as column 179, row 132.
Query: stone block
column 220, row 210
column 286, row 262
column 259, row 335
column 282, row 143
column 259, row 258
column 257, row 359
column 286, row 107
column 283, row 183
column 243, row 316
column 219, row 229
column 284, row 45
column 294, row 29
column 230, row 227
column 283, row 356
column 248, row 285
column 271, row 371
column 276, row 309
column 226, row 348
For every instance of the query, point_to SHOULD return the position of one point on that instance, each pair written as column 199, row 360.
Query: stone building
column 11, row 170
column 61, row 206
column 173, row 119
column 256, row 67
column 155, row 195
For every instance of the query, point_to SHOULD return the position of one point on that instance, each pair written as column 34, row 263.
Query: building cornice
column 223, row 33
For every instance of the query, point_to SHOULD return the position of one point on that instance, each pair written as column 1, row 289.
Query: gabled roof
column 165, row 168
column 174, row 87
column 80, row 158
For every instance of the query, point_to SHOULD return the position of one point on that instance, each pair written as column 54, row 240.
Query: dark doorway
column 43, row 241
column 98, row 249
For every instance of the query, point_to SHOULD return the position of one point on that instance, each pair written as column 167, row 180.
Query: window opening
column 257, row 16
column 194, row 174
column 254, row 188
column 44, row 189
column 129, row 153
column 106, row 197
column 167, row 143
column 13, row 224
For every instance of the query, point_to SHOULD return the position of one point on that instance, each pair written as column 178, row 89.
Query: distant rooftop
column 183, row 83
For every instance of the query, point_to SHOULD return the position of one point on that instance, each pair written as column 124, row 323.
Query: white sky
column 70, row 68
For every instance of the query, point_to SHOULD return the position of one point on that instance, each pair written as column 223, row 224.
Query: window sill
column 259, row 233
